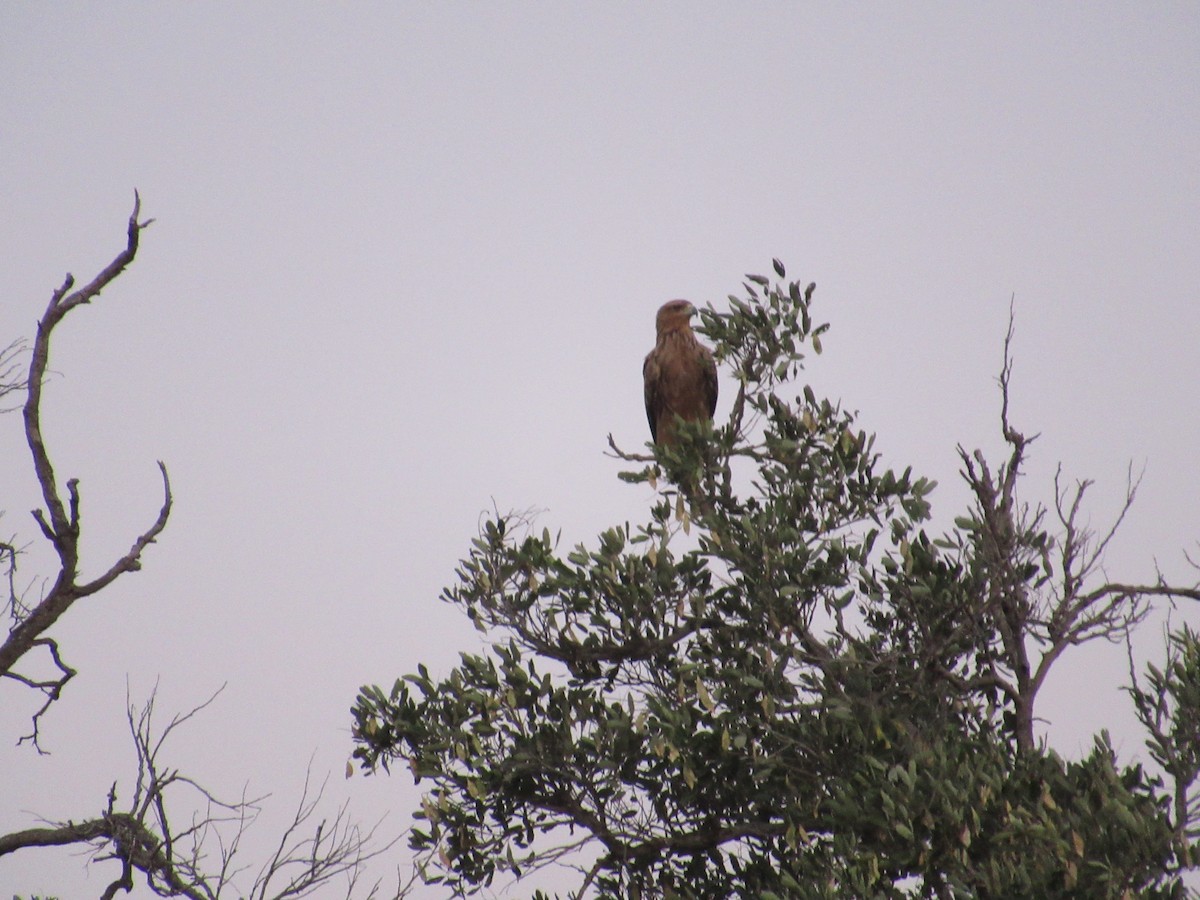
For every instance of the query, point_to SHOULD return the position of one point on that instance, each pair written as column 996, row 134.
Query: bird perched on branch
column 680, row 374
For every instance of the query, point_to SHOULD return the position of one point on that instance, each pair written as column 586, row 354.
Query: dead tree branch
column 1039, row 613
column 60, row 520
column 196, row 854
column 200, row 859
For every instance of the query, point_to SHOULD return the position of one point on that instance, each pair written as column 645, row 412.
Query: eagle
column 680, row 374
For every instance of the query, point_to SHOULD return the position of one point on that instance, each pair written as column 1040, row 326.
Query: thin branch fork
column 61, row 303
column 60, row 521
column 618, row 453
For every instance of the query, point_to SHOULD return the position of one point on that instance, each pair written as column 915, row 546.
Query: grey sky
column 405, row 266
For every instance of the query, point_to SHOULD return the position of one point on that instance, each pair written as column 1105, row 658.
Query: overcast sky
column 405, row 268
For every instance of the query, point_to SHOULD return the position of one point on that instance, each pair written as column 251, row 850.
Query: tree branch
column 60, row 521
column 142, row 840
column 10, row 366
column 1011, row 544
column 60, row 304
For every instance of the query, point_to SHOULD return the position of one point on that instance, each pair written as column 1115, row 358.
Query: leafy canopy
column 780, row 684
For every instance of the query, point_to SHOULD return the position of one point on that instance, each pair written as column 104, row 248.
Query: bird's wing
column 709, row 380
column 652, row 376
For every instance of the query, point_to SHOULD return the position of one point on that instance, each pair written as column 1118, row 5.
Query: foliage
column 782, row 684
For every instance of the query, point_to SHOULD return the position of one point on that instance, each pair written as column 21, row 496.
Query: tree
column 783, row 685
column 193, row 851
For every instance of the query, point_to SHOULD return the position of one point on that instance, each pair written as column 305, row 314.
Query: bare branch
column 57, row 836
column 131, row 561
column 618, row 453
column 60, row 521
column 336, row 848
column 12, row 378
column 588, row 879
column 1013, row 553
column 60, row 304
column 172, row 861
column 52, row 688
column 15, row 609
column 1127, row 591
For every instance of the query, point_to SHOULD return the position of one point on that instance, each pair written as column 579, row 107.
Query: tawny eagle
column 680, row 374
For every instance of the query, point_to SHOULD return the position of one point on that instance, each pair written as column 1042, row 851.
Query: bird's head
column 673, row 314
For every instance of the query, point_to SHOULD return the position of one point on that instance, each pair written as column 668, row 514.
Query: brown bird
column 680, row 374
